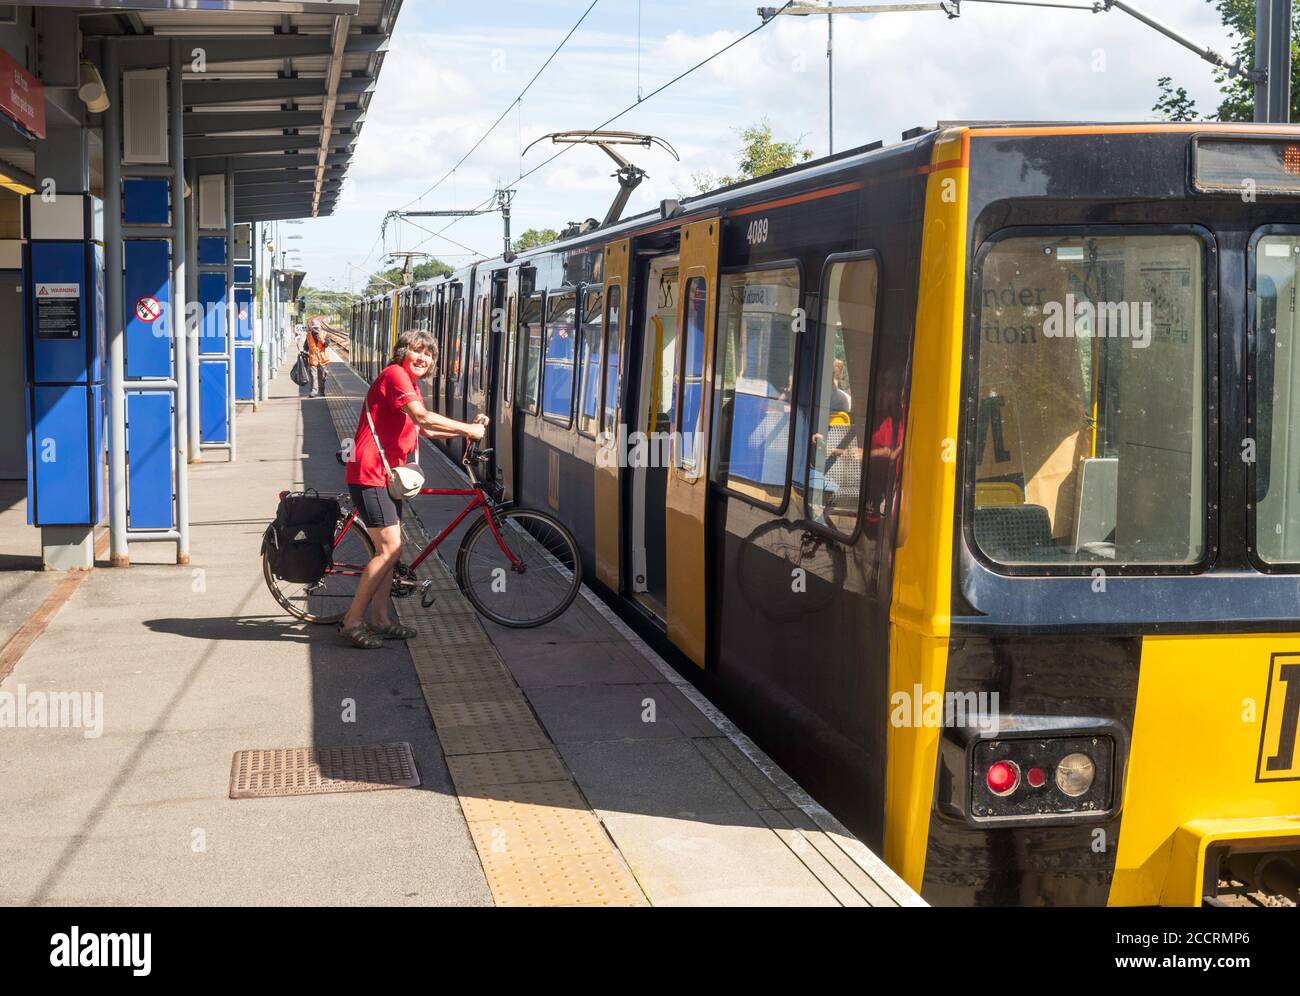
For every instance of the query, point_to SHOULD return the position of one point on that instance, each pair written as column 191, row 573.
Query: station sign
column 22, row 96
column 147, row 308
column 58, row 311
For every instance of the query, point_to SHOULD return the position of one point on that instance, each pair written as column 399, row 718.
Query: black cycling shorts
column 376, row 506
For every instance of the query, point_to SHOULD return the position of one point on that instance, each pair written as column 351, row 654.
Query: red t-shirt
column 397, row 433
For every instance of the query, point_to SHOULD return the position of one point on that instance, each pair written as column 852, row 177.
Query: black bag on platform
column 299, row 373
column 301, row 539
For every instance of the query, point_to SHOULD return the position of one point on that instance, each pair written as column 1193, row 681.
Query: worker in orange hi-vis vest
column 317, row 358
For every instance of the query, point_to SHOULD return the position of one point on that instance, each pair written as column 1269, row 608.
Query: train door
column 478, row 361
column 606, row 486
column 504, row 435
column 647, row 540
column 687, row 484
column 668, row 493
column 455, row 395
column 436, row 327
column 493, row 347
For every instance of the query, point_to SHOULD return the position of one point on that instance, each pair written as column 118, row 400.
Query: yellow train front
column 978, row 498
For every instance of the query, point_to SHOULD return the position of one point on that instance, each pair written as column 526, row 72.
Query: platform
column 542, row 782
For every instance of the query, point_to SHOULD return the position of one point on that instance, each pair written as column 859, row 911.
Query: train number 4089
column 757, row 231
column 1279, row 744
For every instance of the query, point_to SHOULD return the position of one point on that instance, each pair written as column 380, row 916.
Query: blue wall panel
column 212, row 295
column 59, row 348
column 243, row 314
column 244, row 373
column 243, row 274
column 147, row 280
column 59, row 455
column 214, row 423
column 212, row 250
column 144, row 202
column 149, row 449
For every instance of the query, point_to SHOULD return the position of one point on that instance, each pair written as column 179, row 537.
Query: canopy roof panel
column 284, row 88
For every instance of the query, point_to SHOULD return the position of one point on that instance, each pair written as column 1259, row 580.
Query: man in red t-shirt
column 393, row 404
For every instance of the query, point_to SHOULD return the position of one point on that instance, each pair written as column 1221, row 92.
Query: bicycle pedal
column 427, row 597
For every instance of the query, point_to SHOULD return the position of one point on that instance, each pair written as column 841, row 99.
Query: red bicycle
column 516, row 566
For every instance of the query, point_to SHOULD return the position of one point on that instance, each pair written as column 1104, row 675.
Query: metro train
column 962, row 473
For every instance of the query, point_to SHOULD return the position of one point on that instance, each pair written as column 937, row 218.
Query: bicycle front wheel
column 525, row 573
column 328, row 599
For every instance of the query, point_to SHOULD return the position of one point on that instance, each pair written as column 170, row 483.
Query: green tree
column 535, row 237
column 758, row 156
column 1174, row 104
column 1238, row 103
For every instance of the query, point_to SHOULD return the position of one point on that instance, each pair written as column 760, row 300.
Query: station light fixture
column 91, row 89
column 15, row 184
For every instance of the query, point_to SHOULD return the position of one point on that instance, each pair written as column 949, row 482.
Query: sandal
column 361, row 636
column 394, row 631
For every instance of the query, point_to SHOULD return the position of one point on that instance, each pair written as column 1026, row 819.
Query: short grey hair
column 415, row 341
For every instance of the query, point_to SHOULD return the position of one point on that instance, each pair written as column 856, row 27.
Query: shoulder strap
column 387, row 469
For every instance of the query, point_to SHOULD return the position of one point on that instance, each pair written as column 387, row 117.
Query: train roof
column 809, row 173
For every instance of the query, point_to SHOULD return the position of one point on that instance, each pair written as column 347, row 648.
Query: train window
column 1276, row 395
column 841, row 412
column 757, row 346
column 692, row 390
column 530, row 320
column 589, row 350
column 512, row 336
column 613, row 301
column 457, row 338
column 476, row 377
column 1089, row 432
column 557, row 377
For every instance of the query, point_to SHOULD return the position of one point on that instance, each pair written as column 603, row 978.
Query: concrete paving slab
column 653, row 777
column 607, row 663
column 585, row 713
column 736, row 861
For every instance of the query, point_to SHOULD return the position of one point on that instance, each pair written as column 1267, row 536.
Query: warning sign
column 58, row 311
column 147, row 308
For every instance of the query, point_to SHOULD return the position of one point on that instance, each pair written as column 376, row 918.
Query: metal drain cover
column 316, row 770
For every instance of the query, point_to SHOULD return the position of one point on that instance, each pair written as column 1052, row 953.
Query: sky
column 454, row 67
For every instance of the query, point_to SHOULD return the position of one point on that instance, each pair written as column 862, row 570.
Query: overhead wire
column 509, row 107
column 630, row 107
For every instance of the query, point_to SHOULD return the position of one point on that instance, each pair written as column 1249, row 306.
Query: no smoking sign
column 147, row 309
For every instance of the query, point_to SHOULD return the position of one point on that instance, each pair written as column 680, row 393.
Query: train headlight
column 1074, row 774
column 1003, row 777
column 1029, row 778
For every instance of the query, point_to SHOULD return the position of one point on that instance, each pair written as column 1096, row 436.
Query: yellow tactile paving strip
column 537, row 838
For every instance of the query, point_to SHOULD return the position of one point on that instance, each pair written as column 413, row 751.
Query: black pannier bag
column 301, row 539
column 298, row 374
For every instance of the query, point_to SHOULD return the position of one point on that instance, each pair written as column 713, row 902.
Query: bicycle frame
column 478, row 500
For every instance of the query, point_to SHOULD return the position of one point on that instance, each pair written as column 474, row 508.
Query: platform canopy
column 279, row 88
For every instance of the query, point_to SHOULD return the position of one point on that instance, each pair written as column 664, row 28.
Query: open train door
column 687, row 486
column 606, row 498
column 506, row 332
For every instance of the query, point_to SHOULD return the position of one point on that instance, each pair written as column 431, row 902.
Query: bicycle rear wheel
column 532, row 583
column 328, row 599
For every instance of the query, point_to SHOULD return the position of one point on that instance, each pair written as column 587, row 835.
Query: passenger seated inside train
column 1089, row 422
